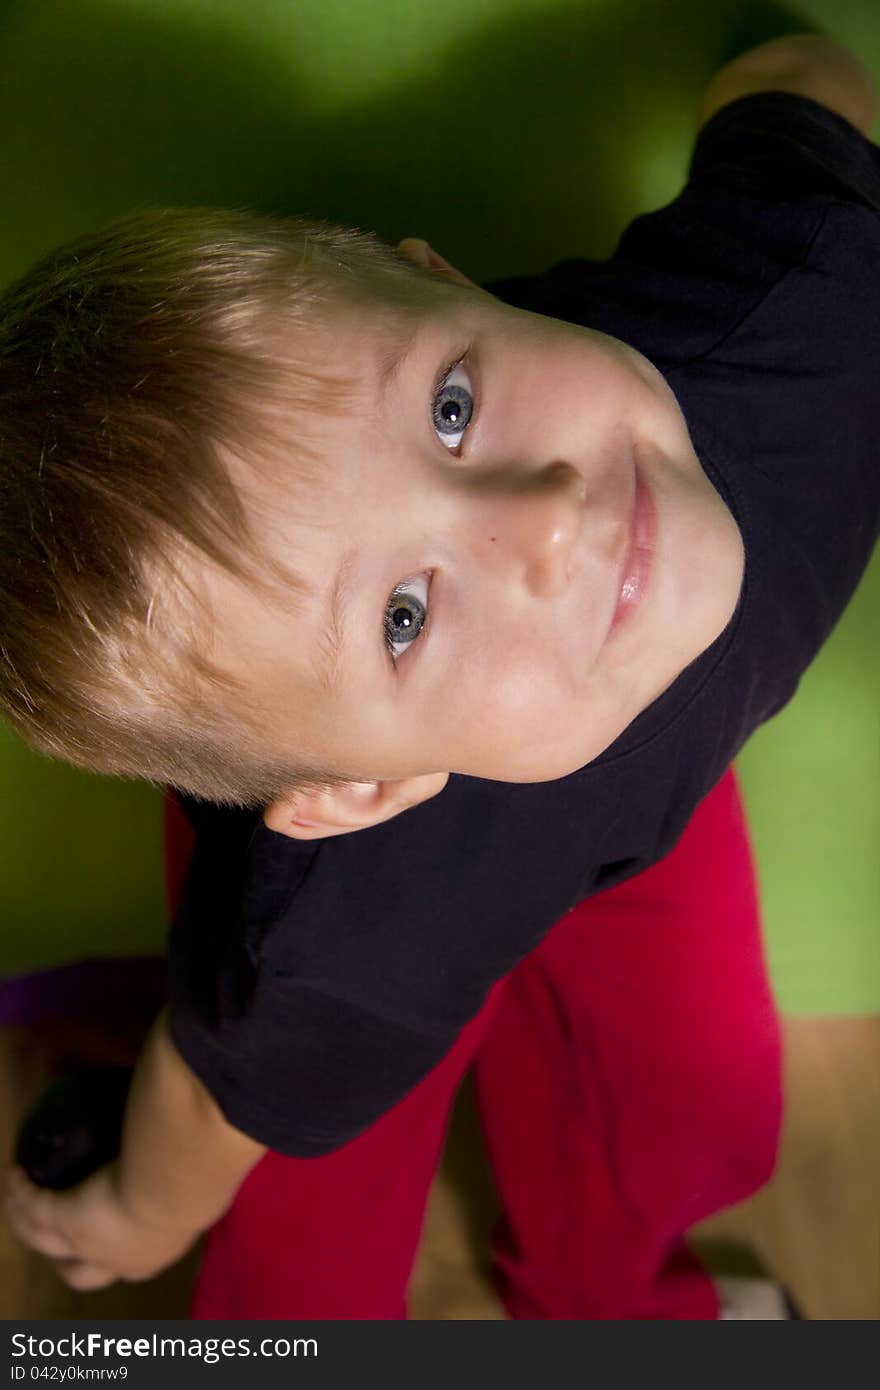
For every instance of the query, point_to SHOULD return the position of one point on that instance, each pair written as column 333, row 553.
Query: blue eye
column 405, row 614
column 453, row 406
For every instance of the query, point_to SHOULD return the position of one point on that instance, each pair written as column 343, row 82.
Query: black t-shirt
column 314, row 984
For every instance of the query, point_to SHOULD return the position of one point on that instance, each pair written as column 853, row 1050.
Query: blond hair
column 127, row 358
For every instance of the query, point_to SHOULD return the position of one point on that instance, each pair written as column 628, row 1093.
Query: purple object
column 104, row 988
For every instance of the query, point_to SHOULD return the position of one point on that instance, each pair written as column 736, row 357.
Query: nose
column 531, row 521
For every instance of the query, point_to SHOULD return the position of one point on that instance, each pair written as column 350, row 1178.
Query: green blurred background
column 510, row 133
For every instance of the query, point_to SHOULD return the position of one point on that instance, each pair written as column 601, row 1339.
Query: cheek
column 513, row 699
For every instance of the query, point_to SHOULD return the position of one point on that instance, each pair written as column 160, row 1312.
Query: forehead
column 370, row 337
column 337, row 372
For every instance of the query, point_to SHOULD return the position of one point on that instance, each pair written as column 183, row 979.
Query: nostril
column 579, row 486
column 566, row 478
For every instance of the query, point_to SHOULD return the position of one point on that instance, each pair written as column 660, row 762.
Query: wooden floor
column 816, row 1226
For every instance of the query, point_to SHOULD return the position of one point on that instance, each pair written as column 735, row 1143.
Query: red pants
column 628, row 1081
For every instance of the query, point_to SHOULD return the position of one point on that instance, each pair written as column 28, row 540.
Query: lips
column 636, row 569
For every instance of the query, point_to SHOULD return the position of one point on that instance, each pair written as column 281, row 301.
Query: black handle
column 75, row 1126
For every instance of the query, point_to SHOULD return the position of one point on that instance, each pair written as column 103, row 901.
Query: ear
column 313, row 815
column 417, row 250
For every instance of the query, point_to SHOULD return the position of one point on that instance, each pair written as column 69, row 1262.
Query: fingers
column 35, row 1217
column 84, row 1277
column 84, row 1230
column 33, row 1214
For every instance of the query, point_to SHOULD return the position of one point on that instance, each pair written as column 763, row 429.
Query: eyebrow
column 331, row 645
column 392, row 362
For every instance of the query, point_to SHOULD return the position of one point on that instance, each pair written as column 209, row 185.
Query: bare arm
column 181, row 1161
column 808, row 65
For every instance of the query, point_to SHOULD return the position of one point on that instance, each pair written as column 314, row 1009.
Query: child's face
column 492, row 553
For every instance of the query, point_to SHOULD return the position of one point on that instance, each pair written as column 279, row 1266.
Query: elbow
column 807, row 65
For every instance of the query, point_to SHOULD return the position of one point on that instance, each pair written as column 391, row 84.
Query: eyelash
column 440, row 382
column 400, row 591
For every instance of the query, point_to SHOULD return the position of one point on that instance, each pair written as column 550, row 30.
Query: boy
column 544, row 590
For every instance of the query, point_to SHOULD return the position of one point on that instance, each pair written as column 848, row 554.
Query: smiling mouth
column 636, row 569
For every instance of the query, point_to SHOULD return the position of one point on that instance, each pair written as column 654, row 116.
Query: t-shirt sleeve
column 764, row 175
column 314, row 984
column 264, row 1021
column 299, row 1052
column 785, row 148
column 274, row 1052
column 786, row 380
column 313, row 1073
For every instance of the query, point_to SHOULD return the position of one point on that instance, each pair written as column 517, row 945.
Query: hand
column 87, row 1232
column 810, row 65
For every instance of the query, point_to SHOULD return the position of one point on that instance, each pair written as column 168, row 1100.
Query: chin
column 552, row 769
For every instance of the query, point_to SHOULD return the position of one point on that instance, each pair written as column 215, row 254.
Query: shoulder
column 805, row 65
